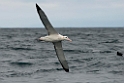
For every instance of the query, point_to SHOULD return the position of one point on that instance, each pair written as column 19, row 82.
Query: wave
column 77, row 51
column 17, row 74
column 20, row 48
column 117, row 72
column 112, row 41
column 48, row 70
column 21, row 64
column 87, row 51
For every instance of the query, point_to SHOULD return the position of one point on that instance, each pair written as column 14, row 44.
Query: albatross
column 54, row 37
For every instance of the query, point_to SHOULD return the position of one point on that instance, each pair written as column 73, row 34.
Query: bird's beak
column 69, row 40
column 39, row 39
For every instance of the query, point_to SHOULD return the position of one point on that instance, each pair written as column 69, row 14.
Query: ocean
column 91, row 56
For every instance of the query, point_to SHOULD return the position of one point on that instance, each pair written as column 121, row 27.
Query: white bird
column 54, row 37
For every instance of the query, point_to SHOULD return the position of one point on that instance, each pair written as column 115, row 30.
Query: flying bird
column 54, row 37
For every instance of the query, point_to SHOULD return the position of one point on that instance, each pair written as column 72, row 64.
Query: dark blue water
column 91, row 56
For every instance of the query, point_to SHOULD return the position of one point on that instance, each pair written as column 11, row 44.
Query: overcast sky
column 63, row 13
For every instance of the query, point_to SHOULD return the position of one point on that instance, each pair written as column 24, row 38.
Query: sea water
column 91, row 56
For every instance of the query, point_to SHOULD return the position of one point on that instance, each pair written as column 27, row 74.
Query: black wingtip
column 67, row 70
column 65, row 67
column 38, row 8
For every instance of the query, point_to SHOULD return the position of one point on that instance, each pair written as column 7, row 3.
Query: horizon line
column 64, row 27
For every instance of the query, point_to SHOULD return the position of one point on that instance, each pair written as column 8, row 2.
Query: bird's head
column 66, row 38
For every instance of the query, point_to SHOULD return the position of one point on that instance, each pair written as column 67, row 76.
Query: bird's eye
column 66, row 37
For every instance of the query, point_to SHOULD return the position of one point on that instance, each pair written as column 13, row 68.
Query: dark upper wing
column 45, row 21
column 60, row 55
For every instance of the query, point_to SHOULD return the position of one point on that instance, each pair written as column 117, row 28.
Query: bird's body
column 54, row 37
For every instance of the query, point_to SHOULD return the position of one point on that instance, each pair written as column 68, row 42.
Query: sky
column 63, row 13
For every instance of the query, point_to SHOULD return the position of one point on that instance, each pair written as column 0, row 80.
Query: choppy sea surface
column 91, row 56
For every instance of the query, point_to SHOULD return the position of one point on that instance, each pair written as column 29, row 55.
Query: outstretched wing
column 45, row 21
column 60, row 55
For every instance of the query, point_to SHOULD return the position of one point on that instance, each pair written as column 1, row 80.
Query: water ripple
column 21, row 64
